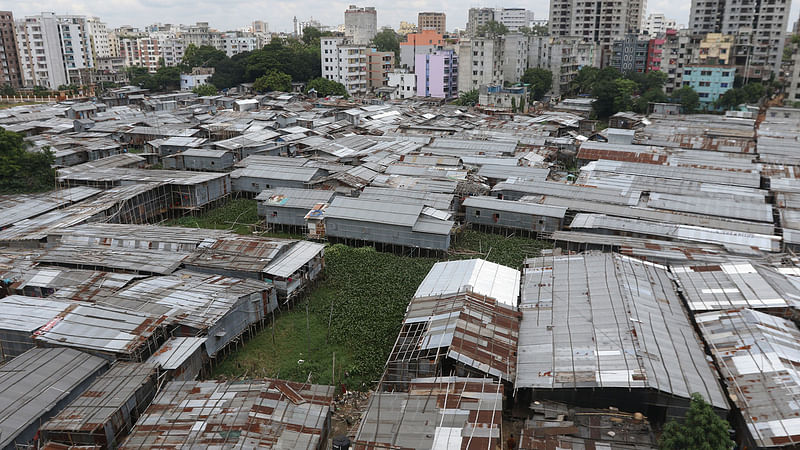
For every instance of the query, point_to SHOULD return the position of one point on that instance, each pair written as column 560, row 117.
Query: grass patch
column 363, row 295
column 239, row 216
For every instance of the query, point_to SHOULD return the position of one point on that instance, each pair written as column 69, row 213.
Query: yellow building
column 716, row 49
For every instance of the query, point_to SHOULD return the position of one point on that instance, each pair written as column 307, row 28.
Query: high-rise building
column 437, row 74
column 629, row 54
column 9, row 54
column 54, row 50
column 596, row 21
column 361, row 24
column 424, row 42
column 657, row 24
column 344, row 62
column 99, row 39
column 512, row 18
column 480, row 62
column 259, row 26
column 563, row 57
column 758, row 26
column 432, row 21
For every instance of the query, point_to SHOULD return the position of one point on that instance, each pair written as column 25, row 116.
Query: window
column 723, row 85
column 477, row 213
column 725, row 74
column 687, row 72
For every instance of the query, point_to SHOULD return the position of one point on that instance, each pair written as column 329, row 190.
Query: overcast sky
column 234, row 14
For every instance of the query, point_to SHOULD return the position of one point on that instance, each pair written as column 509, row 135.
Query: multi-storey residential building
column 9, row 54
column 480, row 62
column 99, row 39
column 758, row 27
column 655, row 54
column 597, row 21
column 344, row 62
column 424, row 42
column 235, row 42
column 793, row 88
column 54, row 50
column 715, row 49
column 512, row 18
column 514, row 56
column 406, row 28
column 657, row 24
column 436, row 21
column 404, row 82
column 110, row 69
column 361, row 23
column 709, row 81
column 629, row 54
column 563, row 57
column 259, row 26
column 679, row 49
column 437, row 74
column 379, row 64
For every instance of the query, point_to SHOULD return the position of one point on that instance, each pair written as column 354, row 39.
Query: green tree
column 311, row 35
column 203, row 56
column 167, row 78
column 642, row 103
column 273, row 81
column 22, row 170
column 688, row 99
column 492, row 29
column 469, row 98
column 604, row 93
column 205, row 90
column 8, row 90
column 387, row 41
column 325, row 88
column 513, row 104
column 522, row 105
column 701, row 429
column 541, row 80
column 753, row 92
column 623, row 98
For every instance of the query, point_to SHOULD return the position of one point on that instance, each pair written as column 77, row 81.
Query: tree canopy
column 273, row 81
column 469, row 98
column 21, row 170
column 688, row 99
column 541, row 80
column 203, row 56
column 325, row 87
column 165, row 78
column 749, row 93
column 205, row 90
column 387, row 41
column 701, row 429
column 492, row 29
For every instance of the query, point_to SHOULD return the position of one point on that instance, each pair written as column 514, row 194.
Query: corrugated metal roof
column 472, row 275
column 246, row 414
column 436, row 413
column 725, row 177
column 14, row 208
column 238, row 253
column 599, row 320
column 173, row 353
column 532, row 209
column 727, row 238
column 404, row 215
column 435, row 200
column 573, row 191
column 35, row 382
column 277, row 172
column 758, row 356
column 283, row 197
column 726, row 286
column 519, row 172
column 103, row 399
column 293, row 259
column 28, row 314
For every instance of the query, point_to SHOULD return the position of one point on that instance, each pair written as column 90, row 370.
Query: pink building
column 654, row 52
column 437, row 74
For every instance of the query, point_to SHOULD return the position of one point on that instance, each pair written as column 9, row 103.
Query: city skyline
column 235, row 14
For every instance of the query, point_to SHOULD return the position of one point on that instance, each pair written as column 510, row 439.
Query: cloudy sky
column 233, row 14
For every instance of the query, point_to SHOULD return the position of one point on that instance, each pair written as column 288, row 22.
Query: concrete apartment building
column 512, row 18
column 404, row 83
column 480, row 62
column 436, row 21
column 54, row 50
column 99, row 39
column 437, row 74
column 629, row 54
column 709, row 81
column 657, row 24
column 758, row 26
column 379, row 65
column 423, row 42
column 9, row 54
column 716, row 49
column 361, row 23
column 563, row 56
column 345, row 62
column 601, row 22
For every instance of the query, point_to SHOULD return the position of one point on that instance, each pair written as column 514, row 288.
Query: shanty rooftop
column 758, row 356
column 599, row 321
column 472, row 275
column 246, row 414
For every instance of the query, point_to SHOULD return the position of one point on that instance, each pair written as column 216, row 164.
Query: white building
column 512, row 18
column 658, row 24
column 344, row 62
column 480, row 62
column 361, row 23
column 198, row 77
column 563, row 57
column 54, row 50
column 99, row 39
column 404, row 82
column 596, row 21
column 235, row 42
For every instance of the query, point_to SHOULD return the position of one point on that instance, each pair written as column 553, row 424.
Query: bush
column 23, row 171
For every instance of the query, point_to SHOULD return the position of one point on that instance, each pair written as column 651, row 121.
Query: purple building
column 437, row 74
